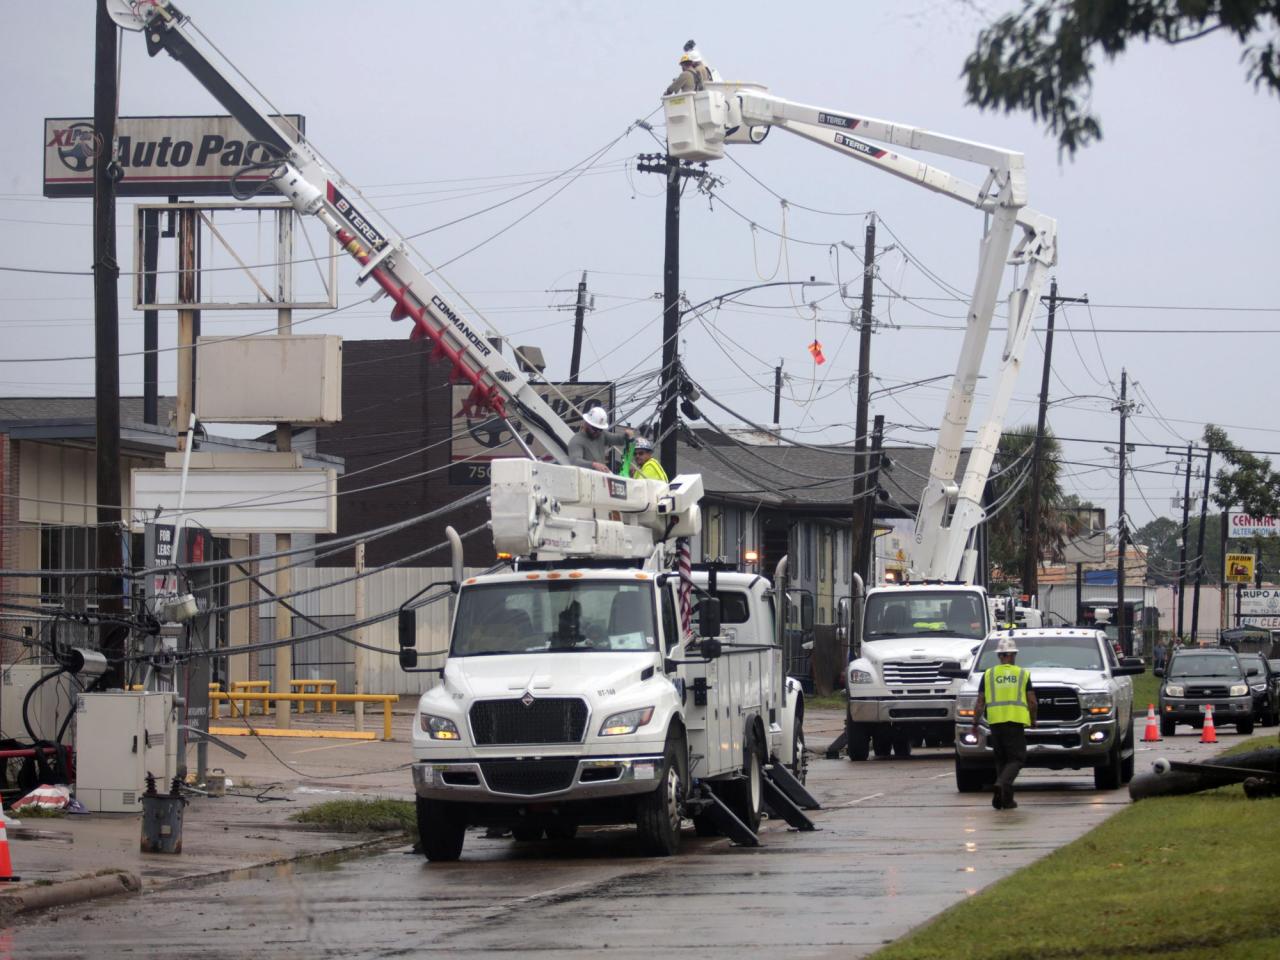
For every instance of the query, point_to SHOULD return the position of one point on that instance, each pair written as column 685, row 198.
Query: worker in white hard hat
column 694, row 72
column 589, row 447
column 1009, row 703
column 645, row 466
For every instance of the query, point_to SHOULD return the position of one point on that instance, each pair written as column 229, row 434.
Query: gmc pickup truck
column 1085, row 716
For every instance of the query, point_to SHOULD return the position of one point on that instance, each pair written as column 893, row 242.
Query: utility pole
column 860, row 482
column 1204, row 509
column 676, row 172
column 1126, row 639
column 870, row 488
column 777, row 395
column 1182, row 550
column 579, row 315
column 1031, row 557
column 109, row 555
column 283, row 672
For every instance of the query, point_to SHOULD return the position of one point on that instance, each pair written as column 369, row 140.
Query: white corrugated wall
column 384, row 593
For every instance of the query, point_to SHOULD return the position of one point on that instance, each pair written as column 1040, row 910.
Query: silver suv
column 1085, row 715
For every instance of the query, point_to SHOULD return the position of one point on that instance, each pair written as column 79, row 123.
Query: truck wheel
column 882, row 740
column 1245, row 727
column 658, row 813
column 1109, row 775
column 858, row 736
column 799, row 759
column 441, row 830
column 902, row 740
column 969, row 779
column 1168, row 728
column 744, row 796
column 526, row 833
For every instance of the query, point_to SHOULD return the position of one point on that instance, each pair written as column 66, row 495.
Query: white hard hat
column 1006, row 645
column 597, row 418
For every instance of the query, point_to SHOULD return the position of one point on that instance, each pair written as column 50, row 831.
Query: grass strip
column 1192, row 876
column 380, row 815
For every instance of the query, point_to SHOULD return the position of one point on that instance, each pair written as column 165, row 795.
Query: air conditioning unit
column 121, row 736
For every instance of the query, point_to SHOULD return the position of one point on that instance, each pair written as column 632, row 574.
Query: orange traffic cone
column 1152, row 733
column 6, row 868
column 1208, row 734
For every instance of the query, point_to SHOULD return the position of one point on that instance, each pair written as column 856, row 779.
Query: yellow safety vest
column 1005, row 692
column 652, row 470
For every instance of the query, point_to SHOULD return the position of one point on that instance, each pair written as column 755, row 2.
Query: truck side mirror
column 408, row 658
column 710, row 648
column 407, row 631
column 709, row 617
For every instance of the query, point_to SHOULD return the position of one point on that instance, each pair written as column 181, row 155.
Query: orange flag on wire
column 815, row 348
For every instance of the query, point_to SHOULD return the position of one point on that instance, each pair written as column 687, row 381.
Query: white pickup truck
column 1085, row 715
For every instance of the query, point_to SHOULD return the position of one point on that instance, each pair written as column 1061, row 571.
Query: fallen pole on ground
column 1176, row 778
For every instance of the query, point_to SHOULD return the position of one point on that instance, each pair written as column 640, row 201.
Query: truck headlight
column 965, row 705
column 1239, row 690
column 438, row 728
column 1173, row 690
column 1096, row 704
column 629, row 721
column 860, row 676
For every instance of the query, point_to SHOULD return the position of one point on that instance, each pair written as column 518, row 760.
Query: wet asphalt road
column 896, row 844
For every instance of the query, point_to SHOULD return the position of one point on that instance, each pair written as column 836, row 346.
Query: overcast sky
column 439, row 110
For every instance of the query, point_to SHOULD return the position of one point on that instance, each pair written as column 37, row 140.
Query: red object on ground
column 1208, row 734
column 1152, row 733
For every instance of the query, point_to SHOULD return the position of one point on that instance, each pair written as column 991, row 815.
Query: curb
column 25, row 899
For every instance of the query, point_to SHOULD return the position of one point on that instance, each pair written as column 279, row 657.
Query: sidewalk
column 234, row 832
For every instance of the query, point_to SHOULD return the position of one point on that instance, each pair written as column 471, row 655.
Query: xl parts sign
column 158, row 156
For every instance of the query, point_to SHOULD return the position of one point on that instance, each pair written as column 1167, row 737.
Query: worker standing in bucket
column 1005, row 695
column 694, row 72
column 645, row 466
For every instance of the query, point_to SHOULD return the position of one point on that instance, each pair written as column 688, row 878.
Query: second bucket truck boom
column 896, row 693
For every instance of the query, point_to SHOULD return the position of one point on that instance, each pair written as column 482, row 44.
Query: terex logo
column 353, row 216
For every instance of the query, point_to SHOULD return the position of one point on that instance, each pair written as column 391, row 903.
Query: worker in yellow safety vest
column 1005, row 694
column 645, row 466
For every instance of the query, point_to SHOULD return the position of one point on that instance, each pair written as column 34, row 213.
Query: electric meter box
column 121, row 736
column 49, row 706
column 269, row 379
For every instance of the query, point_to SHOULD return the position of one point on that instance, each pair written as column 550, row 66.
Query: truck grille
column 1207, row 690
column 529, row 778
column 913, row 671
column 504, row 722
column 1057, row 704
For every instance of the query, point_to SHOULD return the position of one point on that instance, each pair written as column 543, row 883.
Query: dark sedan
column 1196, row 678
column 1264, row 684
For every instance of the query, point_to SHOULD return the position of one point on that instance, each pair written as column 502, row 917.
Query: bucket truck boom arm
column 296, row 171
column 699, row 126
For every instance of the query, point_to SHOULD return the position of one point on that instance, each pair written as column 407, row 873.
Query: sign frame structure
column 472, row 436
column 1238, row 567
column 1243, row 526
column 164, row 143
column 238, row 501
column 288, row 223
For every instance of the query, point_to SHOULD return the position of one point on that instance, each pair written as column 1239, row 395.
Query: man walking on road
column 1010, row 704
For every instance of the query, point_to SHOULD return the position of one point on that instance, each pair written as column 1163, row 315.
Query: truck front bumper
column 522, row 779
column 1081, row 745
column 904, row 709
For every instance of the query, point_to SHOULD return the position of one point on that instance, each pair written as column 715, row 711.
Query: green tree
column 1248, row 483
column 1041, row 58
column 1006, row 533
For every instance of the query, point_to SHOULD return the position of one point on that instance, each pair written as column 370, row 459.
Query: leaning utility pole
column 106, row 313
column 1126, row 639
column 866, row 550
column 777, row 395
column 1182, row 549
column 1204, row 512
column 579, row 315
column 860, row 478
column 675, row 172
column 1031, row 557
